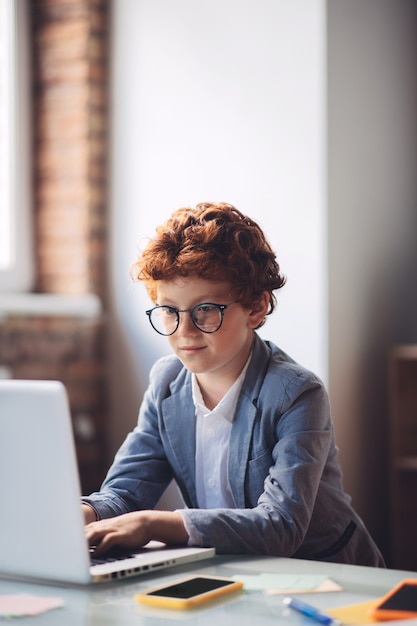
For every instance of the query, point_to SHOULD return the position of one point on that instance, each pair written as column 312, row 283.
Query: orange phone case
column 187, row 603
column 382, row 614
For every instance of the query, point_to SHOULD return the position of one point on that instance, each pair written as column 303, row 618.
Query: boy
column 244, row 430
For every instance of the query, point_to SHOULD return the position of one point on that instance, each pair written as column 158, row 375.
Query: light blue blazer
column 282, row 467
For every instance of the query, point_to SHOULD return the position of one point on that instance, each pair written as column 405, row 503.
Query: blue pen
column 311, row 612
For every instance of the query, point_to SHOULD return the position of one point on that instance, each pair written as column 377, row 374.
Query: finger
column 106, row 538
column 95, row 533
column 107, row 543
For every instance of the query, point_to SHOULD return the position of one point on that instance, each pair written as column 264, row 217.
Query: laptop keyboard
column 110, row 557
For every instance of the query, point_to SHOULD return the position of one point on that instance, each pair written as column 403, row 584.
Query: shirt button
column 211, row 482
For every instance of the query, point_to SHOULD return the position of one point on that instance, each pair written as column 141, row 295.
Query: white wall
column 218, row 101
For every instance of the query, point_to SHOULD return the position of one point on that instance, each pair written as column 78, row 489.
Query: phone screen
column 190, row 588
column 405, row 599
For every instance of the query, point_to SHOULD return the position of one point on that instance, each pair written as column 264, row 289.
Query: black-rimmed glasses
column 207, row 317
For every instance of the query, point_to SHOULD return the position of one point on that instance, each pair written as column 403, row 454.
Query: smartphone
column 189, row 592
column 399, row 603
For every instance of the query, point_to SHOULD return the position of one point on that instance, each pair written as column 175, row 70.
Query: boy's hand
column 133, row 530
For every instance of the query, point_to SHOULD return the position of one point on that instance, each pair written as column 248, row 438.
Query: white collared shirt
column 212, row 443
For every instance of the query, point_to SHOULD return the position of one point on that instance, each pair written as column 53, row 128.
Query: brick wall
column 70, row 112
column 70, row 75
column 69, row 350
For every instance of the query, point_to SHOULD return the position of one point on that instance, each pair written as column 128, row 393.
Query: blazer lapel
column 243, row 424
column 239, row 450
column 179, row 419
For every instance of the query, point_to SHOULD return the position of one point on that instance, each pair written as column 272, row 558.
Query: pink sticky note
column 18, row 605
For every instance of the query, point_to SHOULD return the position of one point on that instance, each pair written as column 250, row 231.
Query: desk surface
column 113, row 604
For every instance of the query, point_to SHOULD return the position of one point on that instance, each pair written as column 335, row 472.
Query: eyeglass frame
column 220, row 307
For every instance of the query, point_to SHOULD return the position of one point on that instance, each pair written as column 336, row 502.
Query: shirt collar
column 227, row 405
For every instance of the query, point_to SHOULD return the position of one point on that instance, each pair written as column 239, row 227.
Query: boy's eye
column 205, row 308
column 167, row 311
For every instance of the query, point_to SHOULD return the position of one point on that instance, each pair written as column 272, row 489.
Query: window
column 16, row 263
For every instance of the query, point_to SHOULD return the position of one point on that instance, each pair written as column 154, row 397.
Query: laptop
column 41, row 523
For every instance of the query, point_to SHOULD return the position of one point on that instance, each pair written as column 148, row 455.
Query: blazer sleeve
column 140, row 471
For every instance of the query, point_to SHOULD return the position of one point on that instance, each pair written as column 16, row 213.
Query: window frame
column 19, row 275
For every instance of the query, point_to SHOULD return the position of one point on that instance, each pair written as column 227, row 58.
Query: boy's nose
column 186, row 325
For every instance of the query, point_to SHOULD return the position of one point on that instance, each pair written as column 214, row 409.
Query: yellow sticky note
column 355, row 613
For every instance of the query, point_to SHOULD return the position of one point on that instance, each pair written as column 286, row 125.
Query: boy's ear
column 259, row 310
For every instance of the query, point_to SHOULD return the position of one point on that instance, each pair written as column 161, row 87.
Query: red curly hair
column 215, row 242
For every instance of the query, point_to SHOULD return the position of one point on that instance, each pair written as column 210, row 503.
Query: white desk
column 113, row 604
